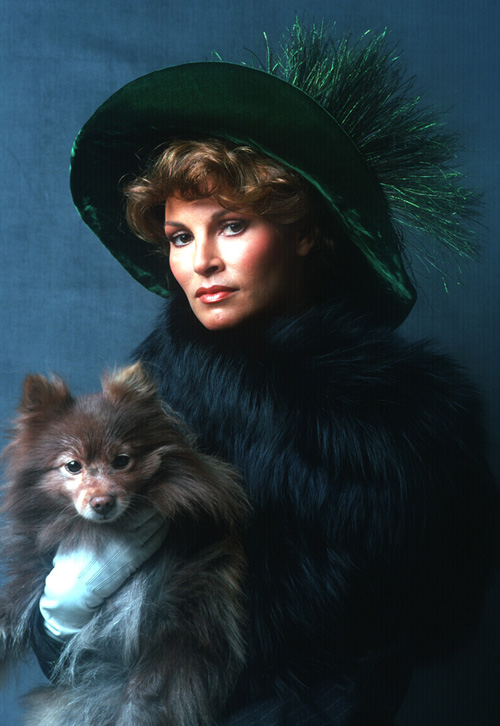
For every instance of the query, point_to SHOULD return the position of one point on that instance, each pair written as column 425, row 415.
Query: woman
column 363, row 456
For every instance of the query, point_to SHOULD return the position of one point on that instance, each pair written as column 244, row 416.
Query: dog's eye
column 74, row 467
column 120, row 461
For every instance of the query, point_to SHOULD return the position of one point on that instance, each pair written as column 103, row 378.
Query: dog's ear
column 44, row 395
column 131, row 382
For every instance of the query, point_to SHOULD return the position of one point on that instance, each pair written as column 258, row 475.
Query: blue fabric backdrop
column 66, row 306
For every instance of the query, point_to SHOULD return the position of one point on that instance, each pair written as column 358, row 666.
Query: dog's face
column 100, row 485
column 96, row 454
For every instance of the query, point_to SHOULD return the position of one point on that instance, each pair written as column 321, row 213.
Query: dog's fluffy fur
column 167, row 647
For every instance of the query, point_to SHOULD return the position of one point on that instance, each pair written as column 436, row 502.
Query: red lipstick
column 213, row 294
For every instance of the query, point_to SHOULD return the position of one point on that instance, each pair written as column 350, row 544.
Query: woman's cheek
column 178, row 268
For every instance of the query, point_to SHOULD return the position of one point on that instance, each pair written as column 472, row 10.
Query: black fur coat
column 364, row 460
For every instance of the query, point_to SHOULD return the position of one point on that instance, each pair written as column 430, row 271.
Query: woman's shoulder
column 326, row 351
column 323, row 370
column 331, row 349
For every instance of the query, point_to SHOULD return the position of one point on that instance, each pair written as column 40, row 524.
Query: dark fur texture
column 167, row 647
column 374, row 508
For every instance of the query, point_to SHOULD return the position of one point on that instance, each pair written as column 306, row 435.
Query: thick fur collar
column 363, row 456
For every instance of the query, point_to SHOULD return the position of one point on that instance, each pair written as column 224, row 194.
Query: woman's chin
column 217, row 318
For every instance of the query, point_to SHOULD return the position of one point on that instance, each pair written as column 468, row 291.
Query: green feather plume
column 363, row 86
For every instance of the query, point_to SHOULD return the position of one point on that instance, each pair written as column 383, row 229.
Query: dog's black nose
column 103, row 504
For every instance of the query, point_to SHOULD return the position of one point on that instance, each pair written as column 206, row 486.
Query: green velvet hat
column 339, row 114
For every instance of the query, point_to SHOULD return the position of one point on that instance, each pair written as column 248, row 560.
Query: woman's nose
column 207, row 259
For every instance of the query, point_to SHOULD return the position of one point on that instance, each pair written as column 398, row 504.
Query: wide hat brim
column 244, row 105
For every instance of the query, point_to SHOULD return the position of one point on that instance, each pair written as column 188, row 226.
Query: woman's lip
column 213, row 294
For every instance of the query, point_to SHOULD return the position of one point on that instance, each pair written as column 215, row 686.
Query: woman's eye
column 74, row 467
column 234, row 227
column 120, row 461
column 180, row 239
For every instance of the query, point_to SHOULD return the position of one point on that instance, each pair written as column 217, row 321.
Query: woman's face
column 232, row 265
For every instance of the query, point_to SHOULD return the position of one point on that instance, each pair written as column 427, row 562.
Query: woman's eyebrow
column 215, row 216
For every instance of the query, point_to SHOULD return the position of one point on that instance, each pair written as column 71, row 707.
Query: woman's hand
column 82, row 579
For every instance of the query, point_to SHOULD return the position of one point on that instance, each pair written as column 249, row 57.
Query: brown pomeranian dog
column 166, row 648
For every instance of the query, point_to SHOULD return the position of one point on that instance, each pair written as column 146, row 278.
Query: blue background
column 67, row 306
